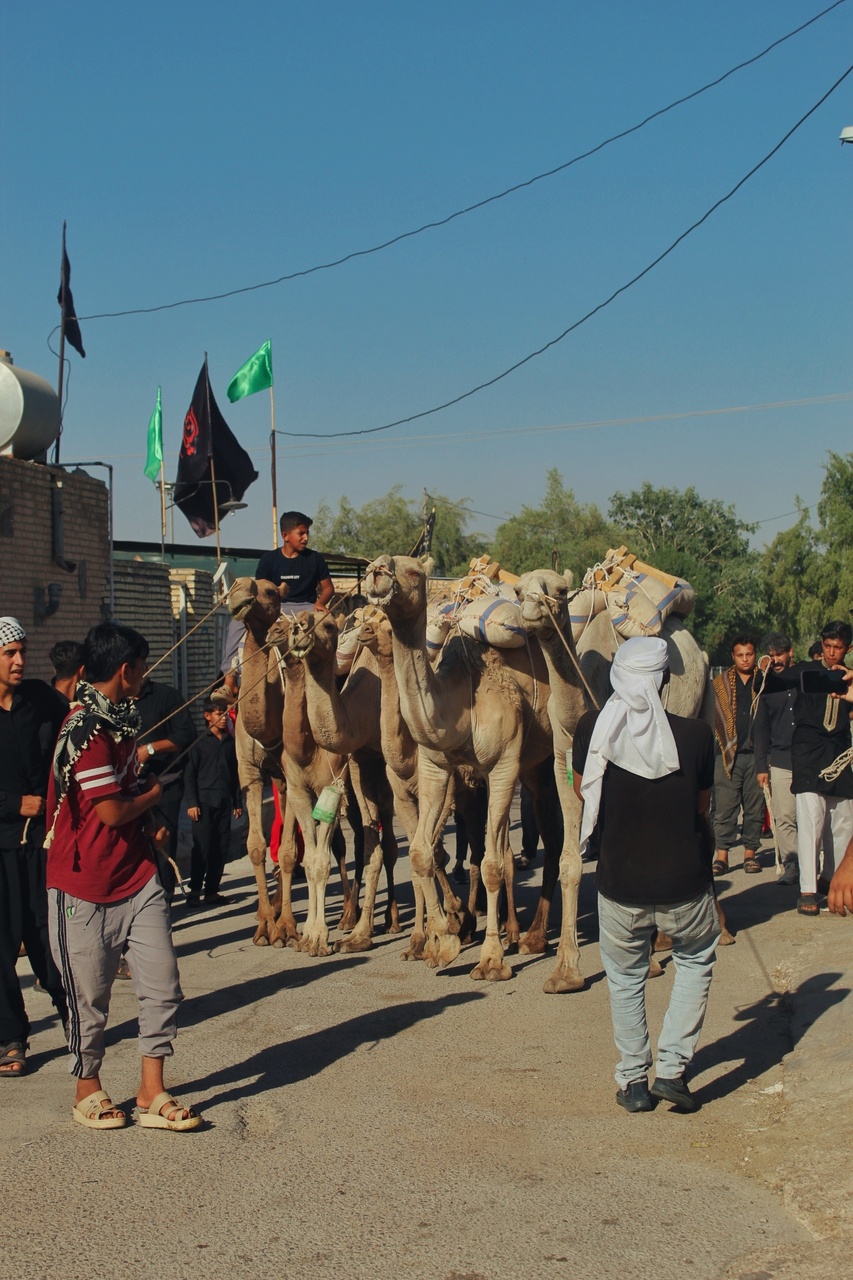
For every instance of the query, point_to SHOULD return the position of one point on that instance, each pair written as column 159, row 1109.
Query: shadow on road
column 771, row 1028
column 307, row 1055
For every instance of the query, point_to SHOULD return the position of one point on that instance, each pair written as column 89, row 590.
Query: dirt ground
column 367, row 1117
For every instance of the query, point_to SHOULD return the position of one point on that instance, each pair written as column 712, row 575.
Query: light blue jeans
column 625, row 944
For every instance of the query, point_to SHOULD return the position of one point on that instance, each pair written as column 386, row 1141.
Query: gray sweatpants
column 87, row 939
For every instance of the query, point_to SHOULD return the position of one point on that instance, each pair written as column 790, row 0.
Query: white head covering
column 632, row 730
column 11, row 631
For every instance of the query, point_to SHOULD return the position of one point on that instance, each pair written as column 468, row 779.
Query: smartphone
column 822, row 681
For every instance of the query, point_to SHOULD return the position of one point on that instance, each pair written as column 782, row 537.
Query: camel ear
column 427, row 564
column 570, row 578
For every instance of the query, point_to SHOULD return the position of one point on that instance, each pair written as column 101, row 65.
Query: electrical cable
column 479, row 204
column 490, row 382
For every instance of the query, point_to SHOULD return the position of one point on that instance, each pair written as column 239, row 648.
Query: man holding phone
column 821, row 734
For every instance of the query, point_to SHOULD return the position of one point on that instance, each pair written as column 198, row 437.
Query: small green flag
column 254, row 375
column 155, row 442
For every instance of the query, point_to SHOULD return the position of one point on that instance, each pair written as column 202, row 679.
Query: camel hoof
column 278, row 942
column 533, row 944
column 726, row 939
column 563, row 981
column 392, row 922
column 448, row 950
column 415, row 949
column 655, row 969
column 260, row 939
column 462, row 924
column 491, row 971
column 355, row 942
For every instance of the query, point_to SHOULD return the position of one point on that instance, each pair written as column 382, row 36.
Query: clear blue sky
column 196, row 148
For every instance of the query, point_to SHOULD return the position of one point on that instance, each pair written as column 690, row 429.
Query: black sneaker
column 192, row 902
column 676, row 1092
column 636, row 1096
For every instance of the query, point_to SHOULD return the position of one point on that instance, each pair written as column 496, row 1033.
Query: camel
column 258, row 744
column 347, row 723
column 401, row 758
column 484, row 708
column 683, row 696
column 260, row 727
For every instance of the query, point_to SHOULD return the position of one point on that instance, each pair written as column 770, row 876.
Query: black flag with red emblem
column 207, row 437
column 70, row 323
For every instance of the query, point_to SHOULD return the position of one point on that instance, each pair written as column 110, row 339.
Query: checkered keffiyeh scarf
column 90, row 713
column 725, row 713
column 11, row 631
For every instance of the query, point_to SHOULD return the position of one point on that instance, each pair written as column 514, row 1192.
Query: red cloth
column 86, row 858
column 278, row 831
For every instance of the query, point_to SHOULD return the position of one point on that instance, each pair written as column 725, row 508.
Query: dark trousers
column 210, row 844
column 741, row 790
column 167, row 812
column 23, row 918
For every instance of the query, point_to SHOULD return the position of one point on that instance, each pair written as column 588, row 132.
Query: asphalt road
column 366, row 1118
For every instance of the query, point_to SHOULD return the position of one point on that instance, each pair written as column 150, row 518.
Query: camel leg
column 567, row 975
column 475, row 805
column 547, row 804
column 351, row 891
column 284, row 932
column 257, row 849
column 502, row 779
column 389, row 862
column 512, row 929
column 374, row 796
column 441, row 947
column 339, row 853
column 318, row 842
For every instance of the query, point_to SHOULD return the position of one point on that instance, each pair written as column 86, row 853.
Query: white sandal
column 90, row 1112
column 150, row 1118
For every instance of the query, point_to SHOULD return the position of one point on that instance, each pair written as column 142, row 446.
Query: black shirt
column 773, row 730
column 28, row 732
column 303, row 573
column 821, row 734
column 211, row 773
column 158, row 703
column 655, row 846
column 743, row 714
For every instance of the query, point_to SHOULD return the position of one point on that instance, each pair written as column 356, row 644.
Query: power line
column 479, row 204
column 490, row 382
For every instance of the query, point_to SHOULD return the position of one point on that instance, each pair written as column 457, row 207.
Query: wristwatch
column 150, row 747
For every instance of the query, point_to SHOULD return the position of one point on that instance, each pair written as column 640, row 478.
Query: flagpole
column 61, row 345
column 273, row 471
column 212, row 472
column 162, row 508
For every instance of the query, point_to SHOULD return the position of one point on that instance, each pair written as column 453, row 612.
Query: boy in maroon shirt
column 104, row 888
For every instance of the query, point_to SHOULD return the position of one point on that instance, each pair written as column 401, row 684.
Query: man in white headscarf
column 645, row 778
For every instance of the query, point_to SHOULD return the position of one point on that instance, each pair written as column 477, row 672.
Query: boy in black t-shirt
column 645, row 778
column 304, row 572
column 212, row 792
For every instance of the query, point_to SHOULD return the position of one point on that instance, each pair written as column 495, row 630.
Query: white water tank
column 29, row 411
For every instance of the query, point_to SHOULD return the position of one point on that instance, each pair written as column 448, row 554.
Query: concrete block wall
column 193, row 590
column 143, row 600
column 27, row 545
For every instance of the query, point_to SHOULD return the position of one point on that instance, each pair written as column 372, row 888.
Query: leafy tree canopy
column 393, row 525
column 577, row 536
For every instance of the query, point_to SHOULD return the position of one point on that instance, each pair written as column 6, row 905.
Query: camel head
column 397, row 584
column 375, row 633
column 314, row 637
column 539, row 589
column 256, row 603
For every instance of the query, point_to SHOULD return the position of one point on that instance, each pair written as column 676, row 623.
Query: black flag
column 207, row 435
column 66, row 302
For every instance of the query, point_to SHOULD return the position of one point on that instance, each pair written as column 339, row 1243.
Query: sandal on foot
column 90, row 1112
column 752, row 866
column 13, row 1055
column 150, row 1117
column 807, row 905
column 718, row 867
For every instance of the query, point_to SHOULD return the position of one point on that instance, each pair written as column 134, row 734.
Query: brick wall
column 27, row 545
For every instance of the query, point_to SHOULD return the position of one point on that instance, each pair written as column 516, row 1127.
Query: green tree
column 393, row 525
column 704, row 541
column 578, row 534
column 808, row 570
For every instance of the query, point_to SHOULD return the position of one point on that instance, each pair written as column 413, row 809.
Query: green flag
column 254, row 375
column 155, row 442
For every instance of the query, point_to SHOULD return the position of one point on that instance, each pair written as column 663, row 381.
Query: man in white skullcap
column 645, row 778
column 30, row 715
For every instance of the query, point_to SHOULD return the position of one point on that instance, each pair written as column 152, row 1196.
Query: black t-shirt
column 655, row 847
column 28, row 732
column 303, row 573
